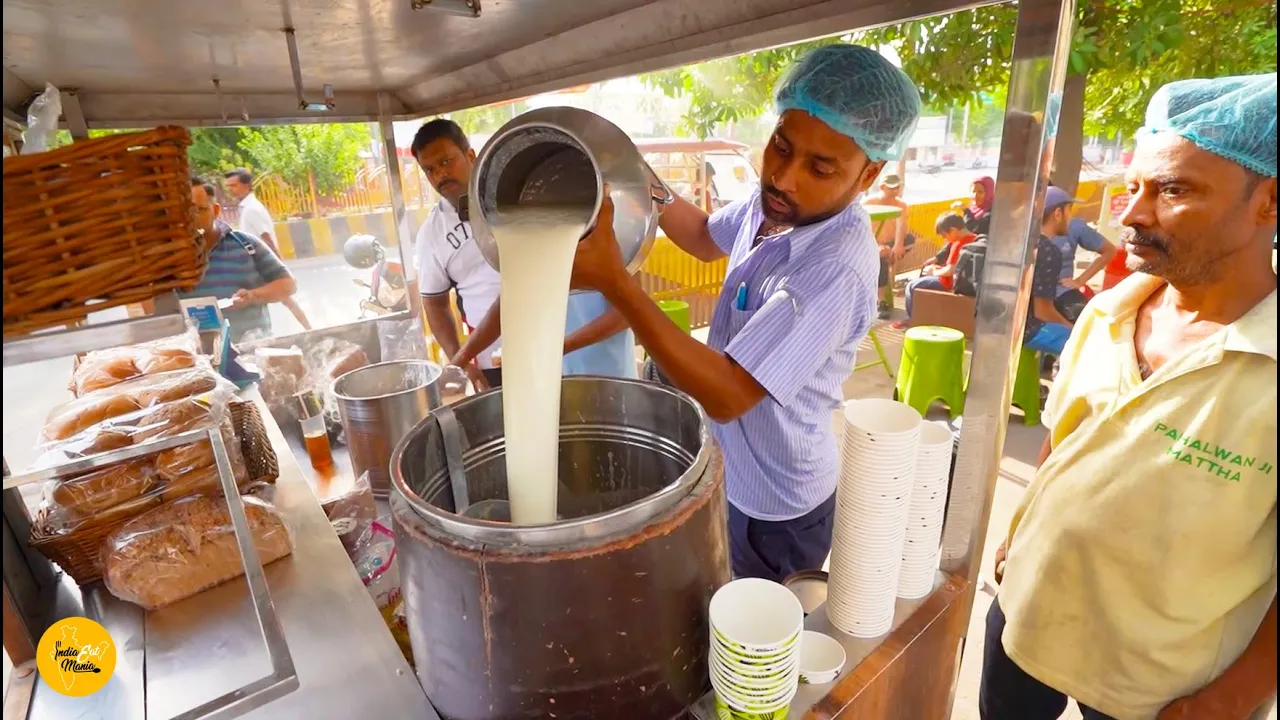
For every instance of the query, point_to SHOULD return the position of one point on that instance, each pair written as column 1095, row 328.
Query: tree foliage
column 486, row 120
column 330, row 153
column 214, row 151
column 1126, row 49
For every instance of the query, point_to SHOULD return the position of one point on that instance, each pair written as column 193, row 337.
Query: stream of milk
column 535, row 251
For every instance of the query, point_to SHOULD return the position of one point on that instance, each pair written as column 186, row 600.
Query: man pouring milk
column 799, row 297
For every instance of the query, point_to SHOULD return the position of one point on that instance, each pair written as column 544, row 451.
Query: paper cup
column 756, row 617
column 724, row 712
column 820, row 654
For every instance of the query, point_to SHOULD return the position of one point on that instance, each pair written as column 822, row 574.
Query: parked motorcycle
column 388, row 292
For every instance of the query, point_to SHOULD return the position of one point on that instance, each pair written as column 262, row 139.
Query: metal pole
column 1036, row 80
column 395, row 182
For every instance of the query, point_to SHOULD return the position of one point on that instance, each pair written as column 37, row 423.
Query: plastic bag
column 379, row 569
column 283, row 372
column 328, row 360
column 129, row 488
column 376, row 562
column 402, row 340
column 185, row 547
column 352, row 514
column 140, row 393
column 101, row 369
column 42, row 121
column 131, row 413
column 331, row 358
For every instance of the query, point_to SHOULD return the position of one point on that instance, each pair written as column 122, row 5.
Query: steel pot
column 379, row 404
column 563, row 156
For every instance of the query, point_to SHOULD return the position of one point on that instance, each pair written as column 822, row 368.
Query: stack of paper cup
column 923, row 538
column 881, row 438
column 755, row 648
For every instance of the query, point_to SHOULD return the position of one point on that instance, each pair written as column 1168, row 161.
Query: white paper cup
column 755, row 702
column 756, row 616
column 820, row 654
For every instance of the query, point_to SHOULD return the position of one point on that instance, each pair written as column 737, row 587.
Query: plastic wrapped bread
column 106, row 368
column 131, row 413
column 185, row 547
column 129, row 488
column 100, row 490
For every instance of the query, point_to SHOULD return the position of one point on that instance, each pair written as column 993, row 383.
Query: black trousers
column 774, row 550
column 493, row 376
column 1007, row 692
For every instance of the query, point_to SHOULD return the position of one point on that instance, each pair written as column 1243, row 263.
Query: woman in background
column 977, row 217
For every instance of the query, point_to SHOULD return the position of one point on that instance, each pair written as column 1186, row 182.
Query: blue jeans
column 1050, row 338
column 774, row 550
column 928, row 282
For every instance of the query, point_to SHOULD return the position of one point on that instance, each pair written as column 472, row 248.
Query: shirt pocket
column 736, row 320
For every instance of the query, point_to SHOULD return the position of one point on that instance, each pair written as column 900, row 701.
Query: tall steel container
column 601, row 614
column 379, row 404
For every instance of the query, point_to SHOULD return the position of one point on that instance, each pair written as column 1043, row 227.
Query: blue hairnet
column 1233, row 117
column 857, row 93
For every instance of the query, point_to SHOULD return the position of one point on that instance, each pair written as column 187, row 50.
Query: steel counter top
column 348, row 665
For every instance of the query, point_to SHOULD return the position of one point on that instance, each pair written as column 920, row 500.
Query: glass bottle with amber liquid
column 315, row 435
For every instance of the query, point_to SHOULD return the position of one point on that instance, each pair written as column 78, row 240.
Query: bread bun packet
column 106, row 368
column 182, row 548
column 132, row 413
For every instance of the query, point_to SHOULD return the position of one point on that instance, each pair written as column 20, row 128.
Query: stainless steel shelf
column 167, row 321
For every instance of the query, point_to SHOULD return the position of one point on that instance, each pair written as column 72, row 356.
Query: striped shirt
column 810, row 295
column 240, row 262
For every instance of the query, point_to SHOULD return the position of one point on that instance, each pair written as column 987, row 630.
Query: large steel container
column 599, row 615
column 378, row 405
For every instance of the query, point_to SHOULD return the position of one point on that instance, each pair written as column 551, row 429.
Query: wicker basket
column 97, row 224
column 79, row 552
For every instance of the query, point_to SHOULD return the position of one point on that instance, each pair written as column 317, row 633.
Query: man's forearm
column 606, row 326
column 1098, row 264
column 1046, row 311
column 276, row 290
column 1251, row 680
column 484, row 335
column 724, row 389
column 270, row 242
column 686, row 225
column 440, row 322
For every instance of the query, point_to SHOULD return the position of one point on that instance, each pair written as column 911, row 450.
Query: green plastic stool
column 678, row 311
column 932, row 368
column 1026, row 386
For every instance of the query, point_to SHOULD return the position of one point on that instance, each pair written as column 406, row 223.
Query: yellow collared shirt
column 1143, row 557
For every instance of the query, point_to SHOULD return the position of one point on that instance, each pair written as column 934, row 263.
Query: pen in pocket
column 740, row 302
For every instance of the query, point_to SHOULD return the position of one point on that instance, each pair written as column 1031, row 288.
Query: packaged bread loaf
column 83, row 413
column 105, row 368
column 102, row 373
column 351, row 513
column 174, row 463
column 184, row 547
column 102, row 489
column 113, row 418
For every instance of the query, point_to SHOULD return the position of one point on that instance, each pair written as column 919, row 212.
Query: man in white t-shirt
column 256, row 220
column 445, row 253
column 599, row 341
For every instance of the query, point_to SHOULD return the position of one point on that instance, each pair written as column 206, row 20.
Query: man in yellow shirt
column 1140, row 576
